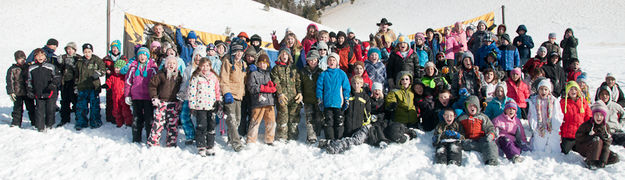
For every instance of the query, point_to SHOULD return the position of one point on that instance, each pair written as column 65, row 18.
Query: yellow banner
column 489, row 18
column 137, row 29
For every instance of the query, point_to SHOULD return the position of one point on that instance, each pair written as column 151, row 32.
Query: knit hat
column 250, row 51
column 402, row 39
column 377, row 86
column 349, row 30
column 312, row 25
column 506, row 37
column 237, row 47
column 87, row 46
column 511, row 104
column 263, row 58
column 547, row 83
column 144, row 50
column 430, row 64
column 284, row 49
column 332, row 34
column 199, row 50
column 52, row 41
column 552, row 35
column 335, row 56
column 155, row 44
column 581, row 78
column 312, row 54
column 73, row 45
column 322, row 45
column 341, row 33
column 243, row 34
column 470, row 27
column 609, row 75
column 482, row 22
column 419, row 35
column 374, row 50
column 516, row 71
column 554, row 54
column 115, row 43
column 210, row 46
column 599, row 107
column 191, row 35
column 570, row 85
column 542, row 49
column 255, row 37
column 119, row 64
column 19, row 54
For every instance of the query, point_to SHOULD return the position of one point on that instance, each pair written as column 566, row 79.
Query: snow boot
column 201, row 151
column 517, row 159
column 323, row 143
column 210, row 152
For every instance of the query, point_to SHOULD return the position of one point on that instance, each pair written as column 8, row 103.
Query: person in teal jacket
column 333, row 91
column 496, row 106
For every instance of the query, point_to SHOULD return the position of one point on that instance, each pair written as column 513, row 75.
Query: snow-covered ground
column 107, row 152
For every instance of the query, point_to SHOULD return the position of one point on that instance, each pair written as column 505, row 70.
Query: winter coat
column 434, row 45
column 584, row 136
column 471, row 79
column 376, row 71
column 254, row 81
column 551, row 47
column 475, row 42
column 186, row 50
column 616, row 113
column 534, row 63
column 478, row 125
column 557, row 76
column 203, row 92
column 424, row 53
column 186, row 78
column 403, row 100
column 616, row 94
column 347, row 56
column 137, row 82
column 496, row 107
column 434, row 83
column 165, row 38
column 287, row 80
column 50, row 56
column 451, row 46
column 569, row 47
column 510, row 58
column 542, row 115
column 357, row 113
column 461, row 36
column 164, row 89
column 109, row 62
column 483, row 51
column 67, row 66
column 86, row 69
column 397, row 63
column 333, row 88
column 518, row 92
column 439, row 131
column 308, row 78
column 116, row 84
column 16, row 79
column 573, row 115
column 571, row 75
column 43, row 80
column 232, row 78
column 508, row 127
column 526, row 43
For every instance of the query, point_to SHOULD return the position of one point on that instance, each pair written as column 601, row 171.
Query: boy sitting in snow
column 359, row 108
column 447, row 137
column 479, row 131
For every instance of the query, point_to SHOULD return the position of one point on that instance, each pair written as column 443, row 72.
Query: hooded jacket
column 576, row 111
column 136, row 85
column 557, row 76
column 526, row 43
column 254, row 81
column 403, row 100
column 616, row 113
column 308, row 78
column 569, row 46
column 471, row 79
column 585, row 134
column 477, row 125
column 165, row 89
column 398, row 63
column 510, row 57
column 43, row 80
column 616, row 94
column 86, row 69
column 286, row 77
column 483, row 52
column 232, row 77
column 508, row 127
column 496, row 106
column 333, row 88
column 519, row 92
column 203, row 91
column 16, row 79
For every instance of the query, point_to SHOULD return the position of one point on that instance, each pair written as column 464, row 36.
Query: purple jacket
column 137, row 81
column 508, row 127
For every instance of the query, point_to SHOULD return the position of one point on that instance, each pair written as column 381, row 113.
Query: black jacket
column 359, row 109
column 254, row 81
column 43, row 80
column 396, row 64
column 16, row 79
column 557, row 76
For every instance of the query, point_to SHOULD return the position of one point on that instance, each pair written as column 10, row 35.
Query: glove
column 128, row 101
column 298, row 98
column 217, row 105
column 30, row 95
column 267, row 88
column 490, row 137
column 252, row 68
column 320, row 104
column 12, row 96
column 345, row 105
column 454, row 134
column 156, row 101
column 228, row 99
column 282, row 99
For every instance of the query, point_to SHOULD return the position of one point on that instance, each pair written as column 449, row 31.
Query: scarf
column 141, row 66
column 114, row 58
column 544, row 124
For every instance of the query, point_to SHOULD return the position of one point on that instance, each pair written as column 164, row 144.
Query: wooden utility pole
column 503, row 14
column 108, row 25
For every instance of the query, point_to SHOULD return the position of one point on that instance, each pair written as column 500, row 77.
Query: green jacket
column 403, row 99
column 287, row 80
column 85, row 72
column 309, row 84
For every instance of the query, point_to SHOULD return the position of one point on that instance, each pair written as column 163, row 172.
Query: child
column 447, row 138
column 468, row 76
column 497, row 105
column 538, row 61
column 512, row 138
column 43, row 79
column 592, row 139
column 136, row 92
column 424, row 101
column 163, row 88
column 518, row 90
column 232, row 81
column 444, row 101
column 377, row 102
column 374, row 67
column 66, row 65
column 204, row 97
column 569, row 47
column 120, row 110
column 401, row 101
column 491, row 80
column 309, row 75
column 551, row 45
column 432, row 81
column 89, row 69
column 572, row 70
column 524, row 43
column 288, row 84
column 615, row 117
column 576, row 112
column 359, row 71
column 214, row 57
column 359, row 108
column 544, row 116
column 581, row 81
column 402, row 59
column 261, row 90
column 617, row 93
column 332, row 97
column 533, row 79
column 510, row 57
column 554, row 72
column 16, row 89
column 113, row 56
column 479, row 131
column 185, row 115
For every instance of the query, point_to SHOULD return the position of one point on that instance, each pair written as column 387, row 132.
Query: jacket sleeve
column 9, row 81
column 274, row 41
column 129, row 82
column 346, row 88
column 56, row 79
column 29, row 80
column 217, row 89
column 319, row 91
column 487, row 126
column 517, row 58
column 192, row 91
column 621, row 99
column 275, row 77
column 153, row 86
column 253, row 86
column 224, row 78
column 529, row 43
column 298, row 81
column 582, row 135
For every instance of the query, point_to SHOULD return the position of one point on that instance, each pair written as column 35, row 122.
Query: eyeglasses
column 405, row 79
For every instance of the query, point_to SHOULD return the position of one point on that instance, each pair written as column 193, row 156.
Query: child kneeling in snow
column 512, row 138
column 545, row 117
column 447, row 137
column 479, row 131
column 163, row 88
column 204, row 98
column 593, row 139
column 368, row 133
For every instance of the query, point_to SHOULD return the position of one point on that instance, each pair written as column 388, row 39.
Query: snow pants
column 88, row 104
column 45, row 113
column 333, row 123
column 185, row 120
column 68, row 101
column 488, row 149
column 266, row 113
column 313, row 121
column 18, row 110
column 508, row 147
column 165, row 116
column 288, row 120
column 449, row 153
column 142, row 111
column 567, row 144
column 344, row 144
column 597, row 151
column 233, row 110
column 246, row 115
column 205, row 137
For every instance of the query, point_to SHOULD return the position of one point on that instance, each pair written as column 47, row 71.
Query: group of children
column 471, row 87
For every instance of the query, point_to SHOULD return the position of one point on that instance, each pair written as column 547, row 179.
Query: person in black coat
column 556, row 74
column 42, row 83
column 523, row 43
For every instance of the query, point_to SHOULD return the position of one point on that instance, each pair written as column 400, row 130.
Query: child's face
column 449, row 117
column 604, row 96
column 405, row 81
column 489, row 76
column 71, row 51
column 575, row 66
column 221, row 49
column 378, row 93
column 117, row 70
column 573, row 92
column 205, row 68
column 467, row 63
column 500, row 93
column 212, row 52
column 250, row 59
column 21, row 61
column 610, row 81
column 510, row 112
column 359, row 70
column 374, row 57
column 444, row 98
column 171, row 65
column 429, row 71
column 598, row 117
column 472, row 109
column 171, row 52
column 515, row 77
column 312, row 63
column 357, row 85
column 418, row 89
column 544, row 92
column 332, row 63
column 284, row 57
column 263, row 66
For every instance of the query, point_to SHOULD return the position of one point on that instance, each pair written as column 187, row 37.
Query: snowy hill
column 107, row 153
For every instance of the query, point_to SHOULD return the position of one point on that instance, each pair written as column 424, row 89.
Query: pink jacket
column 451, row 47
column 519, row 93
column 508, row 127
column 137, row 82
column 461, row 37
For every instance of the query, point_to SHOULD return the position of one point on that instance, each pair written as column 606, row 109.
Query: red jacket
column 307, row 43
column 532, row 64
column 572, row 75
column 365, row 77
column 573, row 117
column 519, row 93
column 344, row 62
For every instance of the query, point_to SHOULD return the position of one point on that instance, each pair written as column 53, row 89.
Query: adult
column 48, row 49
column 158, row 36
column 384, row 32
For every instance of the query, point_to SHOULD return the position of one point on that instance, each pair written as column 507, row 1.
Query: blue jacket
column 186, row 50
column 330, row 84
column 526, row 43
column 495, row 108
column 483, row 51
column 434, row 46
column 49, row 54
column 509, row 57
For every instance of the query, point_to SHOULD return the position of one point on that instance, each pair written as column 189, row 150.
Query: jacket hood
column 569, row 29
column 468, row 54
column 502, row 85
column 472, row 100
column 401, row 75
column 521, row 27
column 605, row 88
